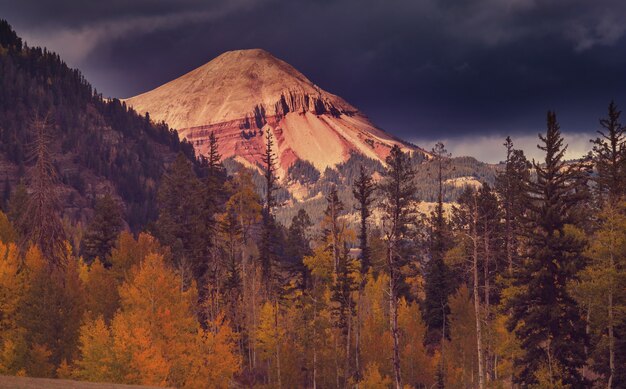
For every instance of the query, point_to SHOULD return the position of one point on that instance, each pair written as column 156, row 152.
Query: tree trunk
column 479, row 344
column 393, row 321
column 611, row 336
column 314, row 345
column 486, row 308
column 357, row 340
column 277, row 350
column 346, row 372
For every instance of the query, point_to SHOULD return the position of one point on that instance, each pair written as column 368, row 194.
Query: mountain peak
column 242, row 93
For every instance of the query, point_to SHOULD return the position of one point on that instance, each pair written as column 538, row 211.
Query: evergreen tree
column 212, row 198
column 103, row 230
column 230, row 231
column 438, row 286
column 609, row 157
column 398, row 207
column 545, row 317
column 179, row 224
column 267, row 247
column 363, row 191
column 298, row 245
column 510, row 188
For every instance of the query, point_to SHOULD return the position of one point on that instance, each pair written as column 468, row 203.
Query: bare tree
column 41, row 222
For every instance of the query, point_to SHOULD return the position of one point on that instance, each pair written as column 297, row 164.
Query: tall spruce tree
column 609, row 157
column 179, row 222
column 438, row 286
column 363, row 192
column 212, row 197
column 510, row 188
column 545, row 317
column 398, row 208
column 267, row 249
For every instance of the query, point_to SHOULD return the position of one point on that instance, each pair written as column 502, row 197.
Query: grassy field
column 36, row 383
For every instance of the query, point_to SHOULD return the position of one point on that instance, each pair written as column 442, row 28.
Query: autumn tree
column 51, row 311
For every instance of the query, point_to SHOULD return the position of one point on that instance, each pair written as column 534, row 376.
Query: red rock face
column 241, row 95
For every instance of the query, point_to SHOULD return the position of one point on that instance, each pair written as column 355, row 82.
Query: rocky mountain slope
column 241, row 94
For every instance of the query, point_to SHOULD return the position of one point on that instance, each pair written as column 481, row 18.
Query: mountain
column 97, row 145
column 241, row 94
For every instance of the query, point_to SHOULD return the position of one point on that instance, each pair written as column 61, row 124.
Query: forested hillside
column 521, row 283
column 97, row 144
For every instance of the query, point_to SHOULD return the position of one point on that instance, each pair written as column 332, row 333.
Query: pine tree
column 438, row 286
column 510, row 188
column 179, row 224
column 544, row 315
column 363, row 191
column 268, row 234
column 103, row 230
column 609, row 156
column 398, row 207
column 212, row 199
column 229, row 229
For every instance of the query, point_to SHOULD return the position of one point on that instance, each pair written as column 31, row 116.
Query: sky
column 466, row 72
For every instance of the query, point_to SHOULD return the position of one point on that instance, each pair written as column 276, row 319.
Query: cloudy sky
column 468, row 72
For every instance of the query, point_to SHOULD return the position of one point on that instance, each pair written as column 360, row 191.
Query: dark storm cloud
column 422, row 69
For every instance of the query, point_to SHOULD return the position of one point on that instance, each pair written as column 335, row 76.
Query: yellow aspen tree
column 461, row 358
column 216, row 360
column 96, row 362
column 417, row 366
column 101, row 296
